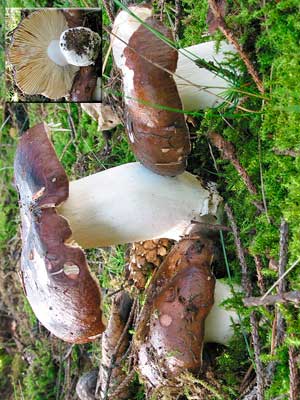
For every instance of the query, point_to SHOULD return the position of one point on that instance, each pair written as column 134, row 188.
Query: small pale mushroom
column 46, row 54
column 57, row 281
column 181, row 313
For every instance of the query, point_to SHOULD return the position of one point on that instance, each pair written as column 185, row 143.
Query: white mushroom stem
column 198, row 88
column 58, row 50
column 219, row 323
column 129, row 203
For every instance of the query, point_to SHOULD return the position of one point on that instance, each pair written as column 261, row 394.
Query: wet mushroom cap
column 155, row 123
column 32, row 53
column 57, row 282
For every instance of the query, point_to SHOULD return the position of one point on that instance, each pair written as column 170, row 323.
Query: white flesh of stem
column 55, row 54
column 129, row 203
column 218, row 324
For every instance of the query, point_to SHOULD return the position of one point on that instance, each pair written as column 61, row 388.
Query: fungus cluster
column 55, row 275
column 59, row 219
column 46, row 53
column 159, row 200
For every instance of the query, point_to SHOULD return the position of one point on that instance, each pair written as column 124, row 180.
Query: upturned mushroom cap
column 32, row 57
column 182, row 298
column 80, row 46
column 58, row 284
column 158, row 136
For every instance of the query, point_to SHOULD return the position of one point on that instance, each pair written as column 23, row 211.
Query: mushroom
column 130, row 203
column 181, row 316
column 198, row 88
column 152, row 206
column 84, row 85
column 57, row 219
column 56, row 279
column 220, row 321
column 41, row 64
column 155, row 121
column 159, row 137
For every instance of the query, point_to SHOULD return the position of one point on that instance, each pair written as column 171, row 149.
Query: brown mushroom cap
column 58, row 284
column 35, row 72
column 181, row 301
column 159, row 137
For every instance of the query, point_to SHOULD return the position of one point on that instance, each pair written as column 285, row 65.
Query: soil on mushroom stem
column 80, row 42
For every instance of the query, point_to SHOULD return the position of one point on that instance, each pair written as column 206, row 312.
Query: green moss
column 39, row 382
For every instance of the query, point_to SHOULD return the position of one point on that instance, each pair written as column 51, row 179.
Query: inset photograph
column 53, row 55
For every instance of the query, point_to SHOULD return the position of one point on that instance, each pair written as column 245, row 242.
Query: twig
column 108, row 8
column 252, row 395
column 231, row 39
column 123, row 286
column 244, row 386
column 291, row 153
column 246, row 282
column 247, row 286
column 294, row 375
column 283, row 250
column 161, row 5
column 260, row 279
column 115, row 354
column 228, row 152
column 257, row 351
column 212, row 227
column 278, row 280
column 68, row 353
column 117, row 391
column 262, row 183
column 178, row 13
column 287, row 297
